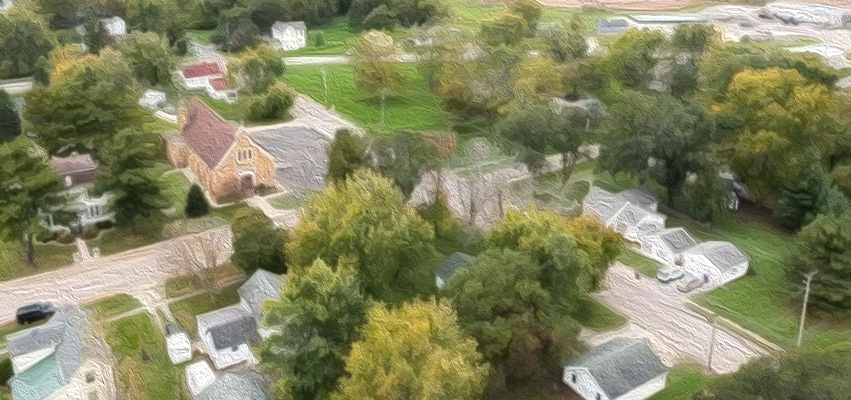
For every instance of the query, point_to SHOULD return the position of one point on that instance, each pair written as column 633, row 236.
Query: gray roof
column 261, row 286
column 605, row 204
column 236, row 386
column 230, row 326
column 297, row 25
column 235, row 333
column 632, row 214
column 299, row 152
column 723, row 255
column 621, row 365
column 43, row 378
column 677, row 240
column 457, row 260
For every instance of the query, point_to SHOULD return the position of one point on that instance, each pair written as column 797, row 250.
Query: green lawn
column 639, row 262
column 683, row 382
column 200, row 36
column 143, row 369
column 763, row 301
column 595, row 316
column 413, row 107
column 176, row 287
column 287, row 202
column 185, row 310
column 113, row 305
column 47, row 257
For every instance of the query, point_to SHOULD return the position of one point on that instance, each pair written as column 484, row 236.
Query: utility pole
column 804, row 309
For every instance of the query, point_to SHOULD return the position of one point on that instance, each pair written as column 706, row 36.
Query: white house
column 229, row 333
column 114, row 26
column 290, row 35
column 667, row 245
column 199, row 376
column 82, row 210
column 60, row 360
column 630, row 212
column 621, row 369
column 715, row 262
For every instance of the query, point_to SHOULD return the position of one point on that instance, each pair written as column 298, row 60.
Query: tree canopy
column 363, row 224
column 10, row 121
column 24, row 38
column 320, row 313
column 416, row 351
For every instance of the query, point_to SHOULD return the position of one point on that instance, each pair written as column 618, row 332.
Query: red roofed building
column 208, row 75
column 222, row 160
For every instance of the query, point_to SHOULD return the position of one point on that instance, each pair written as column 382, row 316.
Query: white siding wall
column 646, row 390
column 585, row 385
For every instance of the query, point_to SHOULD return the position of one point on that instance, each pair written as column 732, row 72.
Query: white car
column 688, row 283
column 668, row 273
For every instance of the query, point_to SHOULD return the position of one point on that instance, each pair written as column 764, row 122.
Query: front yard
column 184, row 311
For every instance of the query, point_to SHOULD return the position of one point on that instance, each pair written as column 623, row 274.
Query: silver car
column 668, row 273
column 689, row 282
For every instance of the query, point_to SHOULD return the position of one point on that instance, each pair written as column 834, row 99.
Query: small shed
column 620, row 369
column 290, row 35
column 716, row 262
column 453, row 263
column 177, row 343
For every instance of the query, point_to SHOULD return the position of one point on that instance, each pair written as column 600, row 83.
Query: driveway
column 135, row 272
column 658, row 313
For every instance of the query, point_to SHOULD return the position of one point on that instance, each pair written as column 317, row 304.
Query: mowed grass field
column 413, row 107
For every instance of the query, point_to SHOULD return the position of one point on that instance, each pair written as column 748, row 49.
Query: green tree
column 85, row 110
column 10, row 121
column 346, row 154
column 96, row 37
column 405, row 156
column 565, row 44
column 379, row 14
column 529, row 10
column 363, row 224
column 693, row 37
column 376, row 65
column 264, row 13
column 149, row 56
column 196, row 203
column 256, row 69
column 501, row 302
column 133, row 176
column 541, row 130
column 416, row 351
column 275, row 104
column 26, row 182
column 236, row 31
column 257, row 243
column 801, row 374
column 24, row 37
column 632, row 56
column 503, row 29
column 824, row 247
column 320, row 313
column 659, row 138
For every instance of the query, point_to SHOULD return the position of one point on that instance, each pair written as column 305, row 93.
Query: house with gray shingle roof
column 632, row 212
column 243, row 385
column 619, row 369
column 450, row 266
column 668, row 244
column 229, row 333
column 61, row 359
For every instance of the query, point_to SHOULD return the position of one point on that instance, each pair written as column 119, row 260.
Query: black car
column 34, row 312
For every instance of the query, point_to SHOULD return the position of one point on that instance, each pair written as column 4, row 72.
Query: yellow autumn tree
column 415, row 352
column 66, row 60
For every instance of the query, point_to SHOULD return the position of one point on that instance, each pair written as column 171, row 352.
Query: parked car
column 689, row 282
column 668, row 273
column 34, row 312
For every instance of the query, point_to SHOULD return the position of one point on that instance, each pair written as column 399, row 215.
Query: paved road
column 657, row 312
column 133, row 272
column 336, row 59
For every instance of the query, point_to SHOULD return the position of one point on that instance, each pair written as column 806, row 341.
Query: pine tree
column 196, row 203
column 10, row 121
